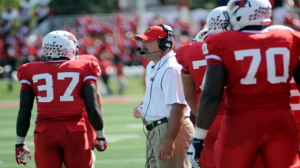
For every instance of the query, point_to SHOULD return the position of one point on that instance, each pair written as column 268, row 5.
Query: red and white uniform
column 193, row 63
column 295, row 103
column 90, row 130
column 258, row 119
column 60, row 125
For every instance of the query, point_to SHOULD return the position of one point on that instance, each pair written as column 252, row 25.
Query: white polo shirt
column 163, row 88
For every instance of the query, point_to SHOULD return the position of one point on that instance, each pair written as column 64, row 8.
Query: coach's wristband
column 200, row 133
column 100, row 134
column 20, row 140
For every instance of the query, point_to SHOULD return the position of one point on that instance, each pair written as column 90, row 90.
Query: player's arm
column 296, row 75
column 209, row 102
column 189, row 91
column 89, row 95
column 99, row 99
column 23, row 124
column 210, row 98
column 24, row 115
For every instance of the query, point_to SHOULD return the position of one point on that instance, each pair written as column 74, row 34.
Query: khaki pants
column 182, row 143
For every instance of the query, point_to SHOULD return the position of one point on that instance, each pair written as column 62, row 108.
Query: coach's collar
column 162, row 61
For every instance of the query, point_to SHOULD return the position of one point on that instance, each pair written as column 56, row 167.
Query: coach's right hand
column 136, row 111
column 21, row 150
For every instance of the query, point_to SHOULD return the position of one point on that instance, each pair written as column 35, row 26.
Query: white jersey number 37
column 48, row 87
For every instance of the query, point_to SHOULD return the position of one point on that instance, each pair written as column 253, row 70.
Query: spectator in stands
column 106, row 65
column 95, row 36
column 28, row 4
column 5, row 27
column 156, row 21
column 24, row 16
column 120, row 76
column 9, row 13
column 43, row 2
column 42, row 12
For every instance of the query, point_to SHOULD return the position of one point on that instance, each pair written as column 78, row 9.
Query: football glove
column 194, row 152
column 21, row 150
column 100, row 144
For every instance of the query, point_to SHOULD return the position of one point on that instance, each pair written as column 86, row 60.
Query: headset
column 166, row 42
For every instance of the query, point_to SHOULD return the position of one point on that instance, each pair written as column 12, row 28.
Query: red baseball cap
column 151, row 34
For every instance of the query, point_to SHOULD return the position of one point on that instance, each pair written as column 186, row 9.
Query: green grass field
column 126, row 140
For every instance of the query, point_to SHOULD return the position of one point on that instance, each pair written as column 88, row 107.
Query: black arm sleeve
column 89, row 94
column 24, row 115
column 296, row 75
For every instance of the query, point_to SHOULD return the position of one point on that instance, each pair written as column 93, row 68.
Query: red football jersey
column 57, row 86
column 89, row 128
column 295, row 102
column 259, row 66
column 193, row 63
column 88, row 57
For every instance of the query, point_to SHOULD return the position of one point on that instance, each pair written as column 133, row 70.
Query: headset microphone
column 143, row 52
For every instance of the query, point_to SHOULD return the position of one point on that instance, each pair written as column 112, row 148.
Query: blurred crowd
column 15, row 25
column 111, row 41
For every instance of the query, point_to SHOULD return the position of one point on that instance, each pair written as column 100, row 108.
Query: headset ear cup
column 165, row 44
column 162, row 44
column 169, row 43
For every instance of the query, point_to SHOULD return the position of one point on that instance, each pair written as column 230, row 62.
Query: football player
column 193, row 73
column 256, row 66
column 295, row 96
column 89, row 128
column 60, row 85
column 295, row 104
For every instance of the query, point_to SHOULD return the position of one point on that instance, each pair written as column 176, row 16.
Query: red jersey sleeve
column 24, row 79
column 93, row 72
column 211, row 49
column 180, row 56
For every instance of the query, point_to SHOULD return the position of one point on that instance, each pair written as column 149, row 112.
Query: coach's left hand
column 166, row 149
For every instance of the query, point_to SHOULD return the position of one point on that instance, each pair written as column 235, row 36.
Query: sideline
column 105, row 100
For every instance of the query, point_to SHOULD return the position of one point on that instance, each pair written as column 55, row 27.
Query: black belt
column 149, row 127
